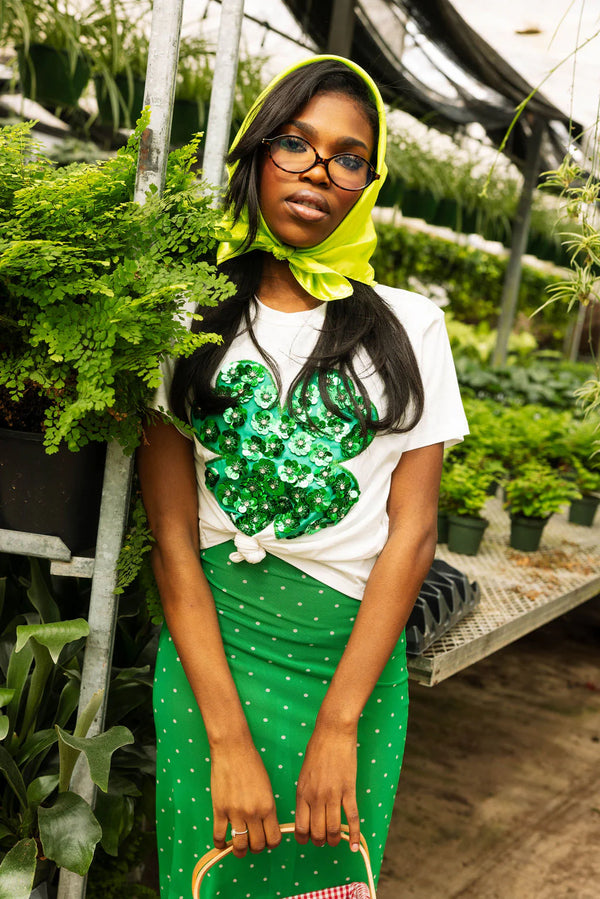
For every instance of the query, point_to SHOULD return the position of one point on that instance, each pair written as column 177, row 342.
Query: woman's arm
column 240, row 787
column 328, row 777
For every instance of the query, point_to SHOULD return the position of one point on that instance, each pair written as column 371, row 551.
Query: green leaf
column 13, row 776
column 16, row 678
column 54, row 635
column 69, row 832
column 98, row 750
column 111, row 814
column 40, row 788
column 5, row 696
column 18, row 870
column 4, row 724
column 39, row 595
column 37, row 743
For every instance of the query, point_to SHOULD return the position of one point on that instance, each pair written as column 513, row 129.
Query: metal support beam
column 154, row 147
column 223, row 92
column 341, row 28
column 512, row 279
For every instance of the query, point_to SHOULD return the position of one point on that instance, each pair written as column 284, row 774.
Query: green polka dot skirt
column 284, row 633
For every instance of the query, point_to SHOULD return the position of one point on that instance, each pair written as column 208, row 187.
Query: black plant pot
column 131, row 94
column 55, row 494
column 49, row 76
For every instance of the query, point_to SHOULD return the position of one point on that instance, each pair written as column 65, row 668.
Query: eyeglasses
column 294, row 154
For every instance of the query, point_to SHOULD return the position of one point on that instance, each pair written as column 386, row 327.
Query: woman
column 294, row 532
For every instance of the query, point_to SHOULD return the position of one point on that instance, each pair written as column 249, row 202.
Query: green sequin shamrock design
column 272, row 466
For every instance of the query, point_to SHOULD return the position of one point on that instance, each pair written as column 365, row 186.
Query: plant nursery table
column 519, row 591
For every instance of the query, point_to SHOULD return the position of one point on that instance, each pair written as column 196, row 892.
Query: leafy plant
column 472, row 279
column 42, row 822
column 586, row 480
column 94, row 286
column 537, row 491
column 465, row 484
column 580, row 191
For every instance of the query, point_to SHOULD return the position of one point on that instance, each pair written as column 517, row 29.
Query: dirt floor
column 500, row 792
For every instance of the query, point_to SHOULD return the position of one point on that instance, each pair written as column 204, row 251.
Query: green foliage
column 586, row 480
column 94, row 286
column 539, row 382
column 537, row 491
column 478, row 341
column 39, row 696
column 472, row 278
column 580, row 191
column 451, row 188
column 465, row 484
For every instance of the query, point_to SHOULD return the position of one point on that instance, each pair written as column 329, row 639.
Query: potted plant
column 532, row 495
column 53, row 65
column 40, row 671
column 92, row 292
column 464, row 493
column 118, row 42
column 583, row 509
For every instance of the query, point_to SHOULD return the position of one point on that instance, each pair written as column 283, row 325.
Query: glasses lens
column 350, row 171
column 292, row 154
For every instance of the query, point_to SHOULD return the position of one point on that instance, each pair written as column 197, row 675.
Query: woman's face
column 303, row 209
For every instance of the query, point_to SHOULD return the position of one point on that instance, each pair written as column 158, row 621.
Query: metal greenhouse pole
column 160, row 90
column 512, row 278
column 159, row 95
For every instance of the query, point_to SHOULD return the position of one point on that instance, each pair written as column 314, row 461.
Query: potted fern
column 534, row 493
column 92, row 287
column 464, row 493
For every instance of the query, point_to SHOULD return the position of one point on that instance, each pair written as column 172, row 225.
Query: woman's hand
column 327, row 783
column 242, row 794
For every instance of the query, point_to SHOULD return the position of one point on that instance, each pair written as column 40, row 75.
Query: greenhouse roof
column 429, row 62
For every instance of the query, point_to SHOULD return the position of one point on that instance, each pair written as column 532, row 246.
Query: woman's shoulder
column 415, row 311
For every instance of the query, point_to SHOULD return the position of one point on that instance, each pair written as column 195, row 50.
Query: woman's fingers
column 240, row 837
column 302, row 831
column 271, row 830
column 353, row 819
column 220, row 822
column 334, row 823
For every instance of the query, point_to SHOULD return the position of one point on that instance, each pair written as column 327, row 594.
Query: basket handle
column 213, row 856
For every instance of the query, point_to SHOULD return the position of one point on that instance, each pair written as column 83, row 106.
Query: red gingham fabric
column 347, row 891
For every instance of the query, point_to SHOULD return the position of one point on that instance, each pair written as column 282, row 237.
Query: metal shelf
column 519, row 591
column 43, row 546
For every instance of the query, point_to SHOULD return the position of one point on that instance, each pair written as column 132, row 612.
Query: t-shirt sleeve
column 161, row 401
column 443, row 418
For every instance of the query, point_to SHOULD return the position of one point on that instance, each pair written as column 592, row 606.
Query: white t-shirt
column 315, row 500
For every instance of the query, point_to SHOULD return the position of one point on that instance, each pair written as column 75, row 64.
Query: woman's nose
column 318, row 174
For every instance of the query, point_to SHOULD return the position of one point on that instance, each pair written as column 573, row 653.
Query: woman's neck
column 280, row 290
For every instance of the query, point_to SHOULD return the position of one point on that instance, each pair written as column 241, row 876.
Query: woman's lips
column 307, row 206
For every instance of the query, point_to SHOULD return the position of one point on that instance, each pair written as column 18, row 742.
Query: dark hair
column 362, row 321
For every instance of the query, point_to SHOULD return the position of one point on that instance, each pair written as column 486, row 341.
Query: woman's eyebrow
column 312, row 132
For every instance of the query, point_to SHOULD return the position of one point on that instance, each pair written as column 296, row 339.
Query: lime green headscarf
column 322, row 270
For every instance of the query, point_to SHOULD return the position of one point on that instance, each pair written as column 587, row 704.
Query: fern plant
column 93, row 287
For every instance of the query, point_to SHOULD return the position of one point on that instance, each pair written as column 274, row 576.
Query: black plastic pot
column 526, row 533
column 55, row 494
column 188, row 119
column 131, row 94
column 465, row 534
column 444, row 599
column 582, row 511
column 49, row 76
column 442, row 527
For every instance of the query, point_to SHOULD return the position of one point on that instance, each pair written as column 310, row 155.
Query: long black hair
column 362, row 321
